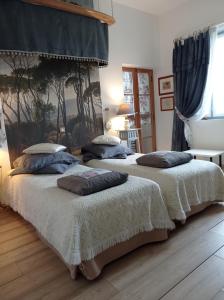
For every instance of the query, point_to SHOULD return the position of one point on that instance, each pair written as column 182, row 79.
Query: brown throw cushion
column 164, row 159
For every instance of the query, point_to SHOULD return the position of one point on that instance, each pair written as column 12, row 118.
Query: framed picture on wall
column 167, row 103
column 166, row 85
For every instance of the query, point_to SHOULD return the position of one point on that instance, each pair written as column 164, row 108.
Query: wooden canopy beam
column 74, row 9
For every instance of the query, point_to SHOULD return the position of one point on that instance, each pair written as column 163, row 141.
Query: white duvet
column 182, row 186
column 80, row 227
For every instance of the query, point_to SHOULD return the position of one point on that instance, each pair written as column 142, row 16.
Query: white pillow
column 107, row 140
column 44, row 148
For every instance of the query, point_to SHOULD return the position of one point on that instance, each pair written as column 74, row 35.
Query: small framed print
column 166, row 86
column 167, row 103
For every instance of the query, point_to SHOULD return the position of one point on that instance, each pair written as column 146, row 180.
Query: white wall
column 203, row 133
column 133, row 40
column 183, row 21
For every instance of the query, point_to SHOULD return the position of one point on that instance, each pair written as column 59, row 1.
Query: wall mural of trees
column 49, row 100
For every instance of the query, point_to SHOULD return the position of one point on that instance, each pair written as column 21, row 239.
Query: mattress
column 81, row 227
column 182, row 187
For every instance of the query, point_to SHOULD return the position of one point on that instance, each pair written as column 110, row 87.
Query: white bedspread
column 80, row 227
column 182, row 186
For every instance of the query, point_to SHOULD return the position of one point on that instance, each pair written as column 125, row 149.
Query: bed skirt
column 198, row 208
column 91, row 269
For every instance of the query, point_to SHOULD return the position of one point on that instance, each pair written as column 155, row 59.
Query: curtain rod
column 217, row 24
column 197, row 32
column 194, row 35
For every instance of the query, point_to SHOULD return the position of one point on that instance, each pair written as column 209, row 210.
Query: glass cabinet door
column 129, row 98
column 138, row 93
column 145, row 111
column 128, row 82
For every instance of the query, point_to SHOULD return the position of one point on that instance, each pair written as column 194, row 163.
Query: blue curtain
column 190, row 68
column 32, row 29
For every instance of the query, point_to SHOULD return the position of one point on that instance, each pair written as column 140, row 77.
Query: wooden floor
column 190, row 265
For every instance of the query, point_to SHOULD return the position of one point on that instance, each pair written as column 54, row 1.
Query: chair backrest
column 208, row 134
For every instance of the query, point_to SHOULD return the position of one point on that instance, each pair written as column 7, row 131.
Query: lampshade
column 124, row 109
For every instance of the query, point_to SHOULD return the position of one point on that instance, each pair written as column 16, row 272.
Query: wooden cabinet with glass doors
column 139, row 94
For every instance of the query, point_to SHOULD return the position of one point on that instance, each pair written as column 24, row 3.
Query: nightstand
column 207, row 153
column 131, row 138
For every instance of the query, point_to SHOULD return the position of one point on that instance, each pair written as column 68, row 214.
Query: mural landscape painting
column 49, row 100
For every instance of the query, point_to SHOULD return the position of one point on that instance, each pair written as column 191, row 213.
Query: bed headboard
column 49, row 100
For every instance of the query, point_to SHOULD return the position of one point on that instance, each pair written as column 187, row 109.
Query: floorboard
column 202, row 284
column 147, row 258
column 157, row 281
column 189, row 266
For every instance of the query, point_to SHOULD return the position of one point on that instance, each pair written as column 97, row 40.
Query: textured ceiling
column 157, row 7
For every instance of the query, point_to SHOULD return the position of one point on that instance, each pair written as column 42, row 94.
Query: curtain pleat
column 190, row 67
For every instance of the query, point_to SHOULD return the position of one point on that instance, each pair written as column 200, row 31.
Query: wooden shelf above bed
column 74, row 9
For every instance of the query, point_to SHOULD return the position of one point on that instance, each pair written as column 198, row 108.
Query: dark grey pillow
column 55, row 169
column 88, row 156
column 52, row 169
column 164, row 159
column 33, row 162
column 91, row 181
column 106, row 151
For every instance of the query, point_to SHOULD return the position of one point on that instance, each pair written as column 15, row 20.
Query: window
column 217, row 101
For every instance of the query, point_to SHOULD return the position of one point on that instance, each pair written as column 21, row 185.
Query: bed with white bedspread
column 183, row 187
column 81, row 227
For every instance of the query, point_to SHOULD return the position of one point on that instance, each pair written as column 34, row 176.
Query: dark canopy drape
column 31, row 29
column 190, row 67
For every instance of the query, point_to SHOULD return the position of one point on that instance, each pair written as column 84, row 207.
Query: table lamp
column 125, row 110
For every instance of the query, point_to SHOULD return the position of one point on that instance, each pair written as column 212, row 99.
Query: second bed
column 186, row 188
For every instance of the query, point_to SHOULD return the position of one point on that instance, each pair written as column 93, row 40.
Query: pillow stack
column 44, row 158
column 105, row 146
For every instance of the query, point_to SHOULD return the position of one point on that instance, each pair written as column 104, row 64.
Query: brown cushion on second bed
column 91, row 181
column 164, row 159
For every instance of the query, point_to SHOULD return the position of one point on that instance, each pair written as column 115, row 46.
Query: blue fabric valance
column 34, row 30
